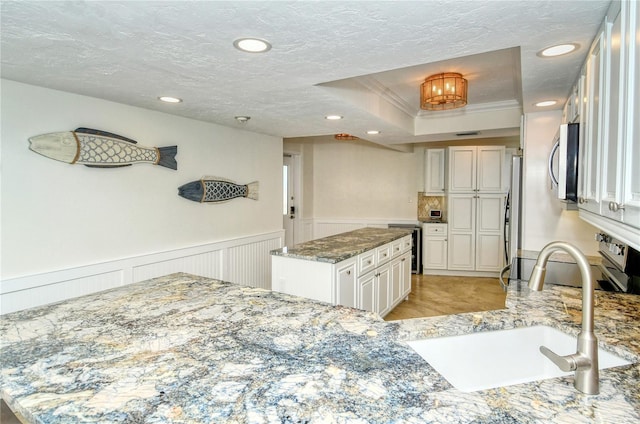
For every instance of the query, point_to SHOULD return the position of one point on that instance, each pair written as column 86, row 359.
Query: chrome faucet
column 585, row 361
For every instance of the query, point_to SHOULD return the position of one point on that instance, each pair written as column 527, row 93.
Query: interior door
column 288, row 200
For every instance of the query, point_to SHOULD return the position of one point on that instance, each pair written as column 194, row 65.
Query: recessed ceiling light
column 558, row 50
column 252, row 45
column 169, row 99
column 333, row 117
column 546, row 103
column 373, row 132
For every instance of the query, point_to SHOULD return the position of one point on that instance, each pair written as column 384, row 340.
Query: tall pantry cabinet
column 475, row 200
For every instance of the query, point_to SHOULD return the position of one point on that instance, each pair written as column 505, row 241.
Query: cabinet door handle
column 615, row 207
column 349, row 272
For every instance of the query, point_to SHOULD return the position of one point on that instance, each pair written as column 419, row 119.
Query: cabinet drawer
column 366, row 262
column 383, row 253
column 435, row 229
column 397, row 247
column 407, row 243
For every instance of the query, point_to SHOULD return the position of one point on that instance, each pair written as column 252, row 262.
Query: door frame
column 296, row 174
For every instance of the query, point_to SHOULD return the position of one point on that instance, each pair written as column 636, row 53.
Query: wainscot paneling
column 243, row 260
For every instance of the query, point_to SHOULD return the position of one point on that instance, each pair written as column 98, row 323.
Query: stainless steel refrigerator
column 513, row 217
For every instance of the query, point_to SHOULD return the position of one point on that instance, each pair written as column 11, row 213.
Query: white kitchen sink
column 490, row 359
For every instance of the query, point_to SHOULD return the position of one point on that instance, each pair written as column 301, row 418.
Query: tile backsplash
column 426, row 203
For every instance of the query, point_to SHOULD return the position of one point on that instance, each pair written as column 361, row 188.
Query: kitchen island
column 183, row 348
column 368, row 268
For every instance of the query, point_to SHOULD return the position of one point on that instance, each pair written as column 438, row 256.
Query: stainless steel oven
column 619, row 271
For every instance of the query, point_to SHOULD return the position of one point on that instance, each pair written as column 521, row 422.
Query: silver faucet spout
column 585, row 360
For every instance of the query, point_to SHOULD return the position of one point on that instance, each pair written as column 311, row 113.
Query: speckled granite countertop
column 188, row 349
column 339, row 247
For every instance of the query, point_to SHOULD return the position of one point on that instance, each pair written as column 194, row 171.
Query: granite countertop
column 187, row 349
column 339, row 247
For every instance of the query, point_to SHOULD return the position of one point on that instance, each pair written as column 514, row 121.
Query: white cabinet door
column 461, row 232
column 434, row 246
column 435, row 253
column 461, row 251
column 434, row 166
column 475, row 235
column 476, row 169
column 590, row 164
column 489, row 213
column 489, row 252
column 462, row 169
column 383, row 281
column 611, row 176
column 462, row 212
column 406, row 275
column 490, row 169
column 397, row 271
column 630, row 198
column 346, row 285
column 489, row 237
column 367, row 292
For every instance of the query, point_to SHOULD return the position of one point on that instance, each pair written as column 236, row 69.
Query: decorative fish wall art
column 217, row 190
column 100, row 149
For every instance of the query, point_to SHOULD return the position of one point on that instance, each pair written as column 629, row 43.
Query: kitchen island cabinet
column 369, row 269
column 183, row 348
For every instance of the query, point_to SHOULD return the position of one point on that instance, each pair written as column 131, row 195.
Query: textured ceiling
column 361, row 60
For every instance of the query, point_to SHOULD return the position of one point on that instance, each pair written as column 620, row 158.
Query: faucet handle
column 565, row 363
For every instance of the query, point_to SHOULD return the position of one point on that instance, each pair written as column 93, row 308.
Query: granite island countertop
column 339, row 247
column 188, row 349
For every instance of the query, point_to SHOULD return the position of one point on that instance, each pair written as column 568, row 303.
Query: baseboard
column 446, row 272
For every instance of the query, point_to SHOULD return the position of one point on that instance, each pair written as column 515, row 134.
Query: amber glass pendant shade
column 443, row 91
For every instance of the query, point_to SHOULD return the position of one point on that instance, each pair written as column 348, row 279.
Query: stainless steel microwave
column 563, row 162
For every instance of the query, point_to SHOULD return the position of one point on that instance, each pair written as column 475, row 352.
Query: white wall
column 57, row 216
column 358, row 179
column 544, row 219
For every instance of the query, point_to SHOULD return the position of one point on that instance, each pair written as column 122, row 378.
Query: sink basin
column 492, row 359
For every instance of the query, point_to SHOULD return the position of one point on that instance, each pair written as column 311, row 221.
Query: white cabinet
column 383, row 281
column 346, row 284
column 489, row 250
column 620, row 180
column 367, row 292
column 609, row 191
column 434, row 172
column 475, row 235
column 375, row 280
column 434, row 247
column 476, row 169
column 588, row 190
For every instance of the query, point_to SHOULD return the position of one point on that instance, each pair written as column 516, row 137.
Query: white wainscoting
column 243, row 261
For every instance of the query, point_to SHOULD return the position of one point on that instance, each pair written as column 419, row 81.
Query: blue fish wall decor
column 217, row 190
column 100, row 149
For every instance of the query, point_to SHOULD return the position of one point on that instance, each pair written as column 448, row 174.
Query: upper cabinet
column 476, row 169
column 609, row 191
column 588, row 191
column 434, row 166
